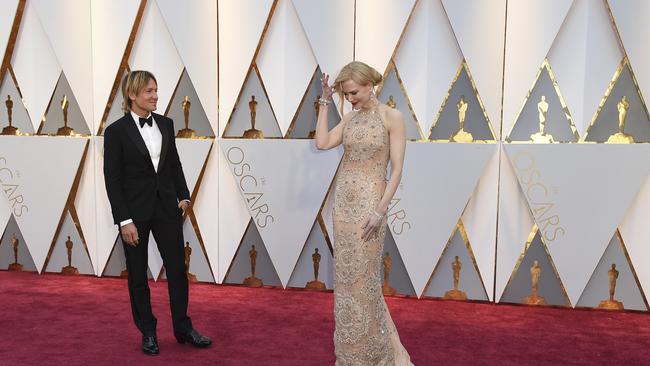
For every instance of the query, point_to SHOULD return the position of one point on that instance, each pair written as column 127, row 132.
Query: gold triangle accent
column 529, row 241
column 11, row 43
column 463, row 66
column 460, row 228
column 621, row 67
column 545, row 65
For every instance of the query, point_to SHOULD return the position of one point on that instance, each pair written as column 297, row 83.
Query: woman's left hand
column 372, row 226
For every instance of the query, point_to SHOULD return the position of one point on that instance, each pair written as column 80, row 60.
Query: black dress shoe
column 194, row 338
column 150, row 345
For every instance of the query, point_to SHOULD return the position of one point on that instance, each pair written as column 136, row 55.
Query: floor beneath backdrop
column 58, row 320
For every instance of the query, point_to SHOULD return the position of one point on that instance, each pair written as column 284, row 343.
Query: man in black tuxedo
column 148, row 193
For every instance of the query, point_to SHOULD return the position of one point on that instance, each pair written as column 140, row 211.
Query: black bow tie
column 146, row 121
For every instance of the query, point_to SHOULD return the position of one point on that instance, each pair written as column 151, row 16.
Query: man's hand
column 184, row 205
column 130, row 234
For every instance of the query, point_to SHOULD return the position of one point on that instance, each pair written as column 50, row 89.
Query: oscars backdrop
column 526, row 170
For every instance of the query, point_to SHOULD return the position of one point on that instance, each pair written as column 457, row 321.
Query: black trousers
column 167, row 229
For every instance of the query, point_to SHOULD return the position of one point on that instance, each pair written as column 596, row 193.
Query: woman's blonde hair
column 359, row 72
column 133, row 83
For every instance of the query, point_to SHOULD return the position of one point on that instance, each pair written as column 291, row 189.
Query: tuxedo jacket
column 132, row 183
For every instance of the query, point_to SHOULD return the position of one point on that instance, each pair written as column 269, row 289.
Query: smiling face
column 146, row 100
column 358, row 95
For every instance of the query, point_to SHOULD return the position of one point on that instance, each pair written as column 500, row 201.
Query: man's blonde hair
column 133, row 83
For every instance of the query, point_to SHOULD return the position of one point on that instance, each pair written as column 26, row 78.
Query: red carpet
column 58, row 320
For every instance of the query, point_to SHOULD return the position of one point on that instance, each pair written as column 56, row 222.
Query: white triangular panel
column 630, row 17
column 19, row 115
column 329, row 26
column 584, row 57
column 6, row 22
column 379, row 25
column 35, row 65
column 206, row 208
column 84, row 202
column 532, row 27
column 427, row 60
column 283, row 185
column 480, row 219
column 154, row 50
column 238, row 41
column 193, row 27
column 34, row 161
column 635, row 233
column 515, row 224
column 68, row 27
column 286, row 63
column 479, row 28
column 193, row 153
column 112, row 22
column 577, row 214
column 429, row 202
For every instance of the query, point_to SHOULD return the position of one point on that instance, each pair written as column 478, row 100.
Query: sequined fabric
column 365, row 334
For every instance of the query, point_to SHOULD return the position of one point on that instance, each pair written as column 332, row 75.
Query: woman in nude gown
column 372, row 135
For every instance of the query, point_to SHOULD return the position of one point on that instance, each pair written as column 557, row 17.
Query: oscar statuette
column 10, row 129
column 15, row 266
column 65, row 130
column 541, row 137
column 534, row 298
column 455, row 293
column 186, row 132
column 611, row 304
column 315, row 284
column 388, row 263
column 621, row 137
column 69, row 269
column 188, row 254
column 253, row 133
column 462, row 135
column 253, row 281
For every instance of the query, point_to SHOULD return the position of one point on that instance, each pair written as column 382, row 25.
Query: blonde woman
column 372, row 135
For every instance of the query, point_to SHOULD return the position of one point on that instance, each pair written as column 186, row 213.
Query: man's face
column 147, row 99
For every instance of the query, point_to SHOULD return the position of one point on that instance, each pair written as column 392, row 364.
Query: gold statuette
column 186, row 132
column 316, row 284
column 188, row 254
column 15, row 266
column 462, row 135
column 10, row 129
column 69, row 269
column 455, row 293
column 611, row 304
column 253, row 281
column 621, row 137
column 391, row 102
column 388, row 263
column 542, row 137
column 312, row 133
column 253, row 133
column 534, row 298
column 65, row 130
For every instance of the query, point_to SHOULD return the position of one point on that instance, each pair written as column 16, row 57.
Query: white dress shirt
column 153, row 140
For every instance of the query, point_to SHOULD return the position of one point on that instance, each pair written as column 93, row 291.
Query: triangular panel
column 549, row 284
column 614, row 272
column 577, row 214
column 393, row 94
column 303, row 273
column 429, row 202
column 283, row 184
column 63, row 111
column 79, row 256
column 186, row 101
column 39, row 210
column 193, row 153
column 7, row 254
column 304, row 122
column 398, row 277
column 10, row 96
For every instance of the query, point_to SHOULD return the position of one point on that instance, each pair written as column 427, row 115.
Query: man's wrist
column 125, row 222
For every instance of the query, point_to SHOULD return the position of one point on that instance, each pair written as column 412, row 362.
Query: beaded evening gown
column 365, row 333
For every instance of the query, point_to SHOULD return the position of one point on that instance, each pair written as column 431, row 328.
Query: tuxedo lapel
column 134, row 135
column 165, row 139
